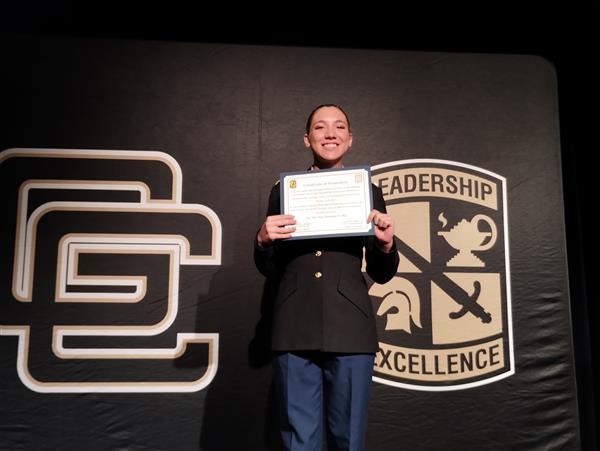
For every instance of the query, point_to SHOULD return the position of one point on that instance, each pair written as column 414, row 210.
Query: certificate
column 328, row 202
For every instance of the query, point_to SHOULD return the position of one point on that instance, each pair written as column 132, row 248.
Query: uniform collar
column 312, row 167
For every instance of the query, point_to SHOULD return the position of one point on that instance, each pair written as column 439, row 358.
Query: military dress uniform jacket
column 322, row 301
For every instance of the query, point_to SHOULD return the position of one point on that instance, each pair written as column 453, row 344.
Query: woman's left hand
column 383, row 225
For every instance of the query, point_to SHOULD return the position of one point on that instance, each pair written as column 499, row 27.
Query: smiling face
column 328, row 137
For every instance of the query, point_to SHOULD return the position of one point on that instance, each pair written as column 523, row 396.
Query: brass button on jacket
column 318, row 253
column 318, row 274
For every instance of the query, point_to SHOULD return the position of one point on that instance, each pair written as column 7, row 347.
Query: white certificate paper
column 328, row 202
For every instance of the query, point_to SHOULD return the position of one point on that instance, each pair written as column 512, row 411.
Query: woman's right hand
column 275, row 227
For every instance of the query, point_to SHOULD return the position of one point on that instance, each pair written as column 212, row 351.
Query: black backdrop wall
column 230, row 118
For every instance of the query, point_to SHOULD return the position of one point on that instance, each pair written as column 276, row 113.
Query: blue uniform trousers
column 312, row 383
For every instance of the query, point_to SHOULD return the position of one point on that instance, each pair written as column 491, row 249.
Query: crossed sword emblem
column 468, row 303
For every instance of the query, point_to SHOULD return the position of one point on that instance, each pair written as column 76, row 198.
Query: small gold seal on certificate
column 293, row 183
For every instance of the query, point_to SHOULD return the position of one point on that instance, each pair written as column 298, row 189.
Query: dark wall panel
column 203, row 132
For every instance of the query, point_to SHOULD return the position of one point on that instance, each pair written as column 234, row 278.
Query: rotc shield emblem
column 444, row 321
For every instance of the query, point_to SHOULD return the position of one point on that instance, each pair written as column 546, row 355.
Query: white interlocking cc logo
column 91, row 270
